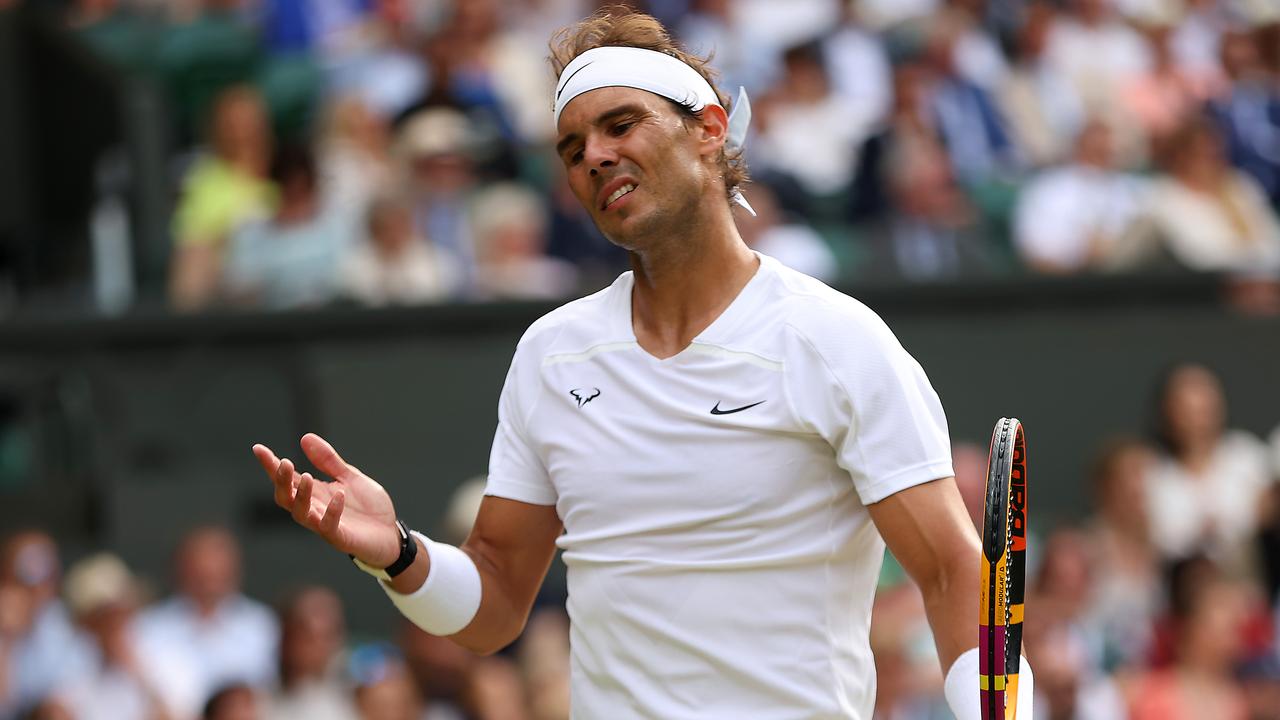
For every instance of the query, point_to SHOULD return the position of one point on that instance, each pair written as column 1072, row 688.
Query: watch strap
column 408, row 552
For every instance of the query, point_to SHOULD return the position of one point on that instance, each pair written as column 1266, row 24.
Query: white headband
column 658, row 73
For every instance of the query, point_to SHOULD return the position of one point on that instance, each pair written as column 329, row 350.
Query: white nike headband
column 658, row 73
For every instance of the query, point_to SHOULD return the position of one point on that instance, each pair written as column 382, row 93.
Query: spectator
column 457, row 683
column 435, row 147
column 236, row 702
column 1208, row 215
column 1126, row 595
column 1248, row 112
column 785, row 237
column 1068, row 685
column 1166, row 94
column 810, row 133
column 1208, row 616
column 1205, row 489
column 510, row 227
column 1101, row 56
column 224, row 189
column 544, row 664
column 131, row 678
column 858, row 66
column 717, row 26
column 393, row 265
column 39, row 646
column 313, row 684
column 908, row 683
column 1078, row 217
column 380, row 62
column 291, row 260
column 384, row 689
column 355, row 156
column 1044, row 111
column 227, row 636
column 204, row 54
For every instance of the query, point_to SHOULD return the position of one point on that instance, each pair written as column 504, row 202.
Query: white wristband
column 450, row 596
column 961, row 688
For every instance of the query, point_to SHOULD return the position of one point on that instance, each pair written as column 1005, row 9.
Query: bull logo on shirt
column 584, row 396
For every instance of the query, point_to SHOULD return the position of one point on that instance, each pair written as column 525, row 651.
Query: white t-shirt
column 721, row 562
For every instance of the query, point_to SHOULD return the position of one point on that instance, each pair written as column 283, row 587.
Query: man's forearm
column 951, row 605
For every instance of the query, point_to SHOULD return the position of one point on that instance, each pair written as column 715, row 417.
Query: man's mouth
column 618, row 194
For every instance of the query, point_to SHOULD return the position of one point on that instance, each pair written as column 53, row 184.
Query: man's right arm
column 511, row 544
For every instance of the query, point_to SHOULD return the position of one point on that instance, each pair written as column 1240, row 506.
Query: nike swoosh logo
column 565, row 84
column 717, row 411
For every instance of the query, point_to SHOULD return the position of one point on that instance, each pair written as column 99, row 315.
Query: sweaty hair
column 620, row 27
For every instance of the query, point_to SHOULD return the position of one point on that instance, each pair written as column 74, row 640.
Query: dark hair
column 293, row 162
column 622, row 27
column 1159, row 420
column 221, row 697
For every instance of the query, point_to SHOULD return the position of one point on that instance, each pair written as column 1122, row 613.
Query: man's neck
column 682, row 286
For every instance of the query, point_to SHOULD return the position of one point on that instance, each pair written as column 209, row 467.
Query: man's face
column 616, row 138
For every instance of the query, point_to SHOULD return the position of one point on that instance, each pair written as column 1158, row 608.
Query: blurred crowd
column 1162, row 604
column 397, row 151
column 97, row 644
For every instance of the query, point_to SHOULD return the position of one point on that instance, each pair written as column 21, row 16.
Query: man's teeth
column 619, row 193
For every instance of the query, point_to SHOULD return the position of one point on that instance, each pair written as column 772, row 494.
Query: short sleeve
column 851, row 381
column 516, row 472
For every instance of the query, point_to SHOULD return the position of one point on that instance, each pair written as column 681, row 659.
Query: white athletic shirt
column 721, row 563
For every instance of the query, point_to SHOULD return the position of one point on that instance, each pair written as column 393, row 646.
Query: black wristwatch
column 408, row 551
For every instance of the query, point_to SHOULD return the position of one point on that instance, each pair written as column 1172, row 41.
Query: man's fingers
column 332, row 516
column 302, row 499
column 266, row 459
column 324, row 457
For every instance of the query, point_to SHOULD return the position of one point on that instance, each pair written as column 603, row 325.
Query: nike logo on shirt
column 717, row 411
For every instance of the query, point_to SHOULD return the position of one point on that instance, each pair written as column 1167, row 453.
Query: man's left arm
column 928, row 530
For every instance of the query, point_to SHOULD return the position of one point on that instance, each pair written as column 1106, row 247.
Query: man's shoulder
column 819, row 312
column 583, row 322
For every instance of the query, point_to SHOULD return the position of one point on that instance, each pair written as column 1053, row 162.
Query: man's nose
column 599, row 155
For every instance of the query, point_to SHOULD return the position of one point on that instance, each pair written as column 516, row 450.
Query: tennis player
column 722, row 446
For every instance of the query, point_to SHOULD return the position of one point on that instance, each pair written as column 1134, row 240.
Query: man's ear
column 713, row 129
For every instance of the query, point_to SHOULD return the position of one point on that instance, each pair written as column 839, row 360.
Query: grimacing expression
column 634, row 162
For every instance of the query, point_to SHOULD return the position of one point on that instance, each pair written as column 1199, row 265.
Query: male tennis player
column 723, row 443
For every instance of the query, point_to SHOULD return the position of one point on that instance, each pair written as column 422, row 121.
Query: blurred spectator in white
column 808, row 132
column 540, row 18
column 226, row 188
column 858, row 67
column 227, row 636
column 290, row 260
column 1039, row 100
column 544, row 664
column 1126, row 598
column 772, row 26
column 237, row 702
column 313, row 682
column 354, row 156
column 787, row 238
column 970, row 125
column 1101, row 56
column 39, row 647
column 393, row 265
column 1248, row 111
column 1075, row 217
column 1161, row 98
column 1208, row 617
column 1206, row 489
column 132, row 677
column 510, row 225
column 742, row 57
column 1068, row 686
column 435, row 147
column 1210, row 216
column 1197, row 36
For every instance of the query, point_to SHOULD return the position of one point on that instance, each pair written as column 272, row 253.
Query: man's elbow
column 488, row 643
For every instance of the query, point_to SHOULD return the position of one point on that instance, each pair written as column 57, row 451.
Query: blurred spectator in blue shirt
column 291, row 260
column 226, row 636
column 1248, row 112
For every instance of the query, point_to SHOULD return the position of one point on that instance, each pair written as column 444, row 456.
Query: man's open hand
column 353, row 513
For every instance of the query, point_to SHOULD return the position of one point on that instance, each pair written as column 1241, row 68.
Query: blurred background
column 235, row 221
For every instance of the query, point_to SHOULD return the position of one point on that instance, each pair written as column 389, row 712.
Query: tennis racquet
column 1004, row 560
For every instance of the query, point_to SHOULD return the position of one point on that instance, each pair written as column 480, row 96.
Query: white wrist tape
column 450, row 596
column 961, row 688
